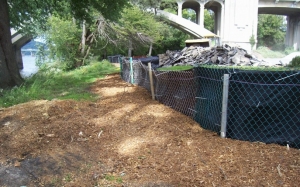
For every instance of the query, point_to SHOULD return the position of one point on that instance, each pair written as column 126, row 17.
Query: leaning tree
column 30, row 15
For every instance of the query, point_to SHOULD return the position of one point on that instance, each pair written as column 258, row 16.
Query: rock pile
column 221, row 55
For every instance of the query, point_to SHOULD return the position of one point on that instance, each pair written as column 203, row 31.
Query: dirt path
column 126, row 139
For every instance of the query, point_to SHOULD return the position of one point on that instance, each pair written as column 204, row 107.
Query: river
column 29, row 66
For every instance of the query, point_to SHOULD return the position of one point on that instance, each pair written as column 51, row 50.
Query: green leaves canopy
column 32, row 13
column 270, row 30
column 139, row 26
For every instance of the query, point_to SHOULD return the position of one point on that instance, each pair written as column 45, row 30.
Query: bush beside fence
column 262, row 106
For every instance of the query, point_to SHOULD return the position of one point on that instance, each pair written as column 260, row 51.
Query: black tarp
column 153, row 59
column 264, row 107
column 208, row 106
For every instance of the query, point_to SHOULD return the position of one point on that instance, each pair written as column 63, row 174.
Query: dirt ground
column 127, row 139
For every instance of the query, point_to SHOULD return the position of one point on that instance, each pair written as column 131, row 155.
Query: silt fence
column 255, row 105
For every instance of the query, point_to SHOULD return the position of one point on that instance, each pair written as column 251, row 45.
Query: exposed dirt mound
column 127, row 139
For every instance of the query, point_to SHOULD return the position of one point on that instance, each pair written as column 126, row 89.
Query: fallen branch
column 224, row 175
column 278, row 169
column 99, row 134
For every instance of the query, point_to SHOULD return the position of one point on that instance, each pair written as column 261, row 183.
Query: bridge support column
column 222, row 23
column 293, row 32
column 218, row 16
column 201, row 15
column 180, row 9
column 240, row 22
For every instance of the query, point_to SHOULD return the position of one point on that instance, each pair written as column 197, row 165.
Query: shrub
column 288, row 50
column 295, row 62
column 278, row 46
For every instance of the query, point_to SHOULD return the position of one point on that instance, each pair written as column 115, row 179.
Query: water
column 29, row 66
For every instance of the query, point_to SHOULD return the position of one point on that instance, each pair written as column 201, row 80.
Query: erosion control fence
column 114, row 59
column 248, row 105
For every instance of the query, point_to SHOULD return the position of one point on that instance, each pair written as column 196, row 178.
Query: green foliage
column 172, row 39
column 209, row 20
column 41, row 55
column 139, row 27
column 154, row 4
column 68, row 178
column 295, row 62
column 176, row 68
column 134, row 20
column 268, row 53
column 63, row 38
column 31, row 15
column 288, row 50
column 113, row 178
column 270, row 30
column 50, row 83
column 252, row 41
column 189, row 14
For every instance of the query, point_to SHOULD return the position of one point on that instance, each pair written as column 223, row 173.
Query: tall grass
column 50, row 84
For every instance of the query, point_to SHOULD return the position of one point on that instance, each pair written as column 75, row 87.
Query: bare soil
column 127, row 139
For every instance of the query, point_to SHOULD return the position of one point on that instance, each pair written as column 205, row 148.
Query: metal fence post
column 121, row 68
column 224, row 105
column 151, row 81
column 131, row 71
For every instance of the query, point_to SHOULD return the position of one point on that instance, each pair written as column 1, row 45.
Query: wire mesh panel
column 176, row 89
column 140, row 74
column 146, row 80
column 114, row 59
column 265, row 107
column 125, row 70
column 208, row 107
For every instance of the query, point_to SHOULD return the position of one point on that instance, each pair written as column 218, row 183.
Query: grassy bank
column 50, row 84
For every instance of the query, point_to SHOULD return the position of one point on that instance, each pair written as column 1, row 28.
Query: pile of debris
column 221, row 55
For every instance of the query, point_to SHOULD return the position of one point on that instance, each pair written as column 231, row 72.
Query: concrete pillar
column 198, row 14
column 201, row 17
column 255, row 23
column 198, row 17
column 216, row 27
column 240, row 22
column 296, row 33
column 180, row 8
column 222, row 23
column 287, row 35
column 292, row 38
column 219, row 21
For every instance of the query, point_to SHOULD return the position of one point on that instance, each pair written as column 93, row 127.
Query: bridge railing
column 262, row 106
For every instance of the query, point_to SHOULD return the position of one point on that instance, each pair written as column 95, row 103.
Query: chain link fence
column 265, row 106
column 262, row 106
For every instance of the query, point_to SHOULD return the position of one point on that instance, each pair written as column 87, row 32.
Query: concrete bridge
column 236, row 20
column 18, row 41
column 31, row 51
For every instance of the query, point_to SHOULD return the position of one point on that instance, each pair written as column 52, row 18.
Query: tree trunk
column 130, row 49
column 83, row 38
column 9, row 71
column 150, row 49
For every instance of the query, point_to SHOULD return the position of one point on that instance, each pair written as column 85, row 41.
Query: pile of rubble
column 221, row 55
